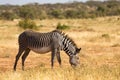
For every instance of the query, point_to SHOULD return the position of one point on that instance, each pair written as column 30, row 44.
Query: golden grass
column 85, row 72
column 100, row 55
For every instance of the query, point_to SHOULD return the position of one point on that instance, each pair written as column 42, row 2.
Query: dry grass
column 85, row 72
column 100, row 55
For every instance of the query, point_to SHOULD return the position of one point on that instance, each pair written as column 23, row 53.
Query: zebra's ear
column 78, row 50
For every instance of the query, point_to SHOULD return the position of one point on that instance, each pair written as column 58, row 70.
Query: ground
column 99, row 39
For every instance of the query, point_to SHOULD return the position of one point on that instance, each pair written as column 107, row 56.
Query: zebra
column 53, row 41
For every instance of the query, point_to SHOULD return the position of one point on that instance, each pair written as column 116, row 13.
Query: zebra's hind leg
column 24, row 56
column 58, row 57
column 18, row 56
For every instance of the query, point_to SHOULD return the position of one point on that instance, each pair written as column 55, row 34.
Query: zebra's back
column 38, row 42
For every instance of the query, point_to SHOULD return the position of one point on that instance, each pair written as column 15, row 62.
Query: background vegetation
column 89, row 9
column 27, row 24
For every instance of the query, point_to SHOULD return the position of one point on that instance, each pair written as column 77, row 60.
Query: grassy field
column 100, row 55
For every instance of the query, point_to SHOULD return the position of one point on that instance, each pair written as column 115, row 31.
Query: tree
column 101, row 11
column 56, row 13
column 8, row 15
column 70, row 14
column 26, row 12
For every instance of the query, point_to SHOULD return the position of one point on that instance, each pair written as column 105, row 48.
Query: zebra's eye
column 77, row 57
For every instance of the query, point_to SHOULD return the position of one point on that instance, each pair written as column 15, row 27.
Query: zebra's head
column 69, row 46
column 74, row 58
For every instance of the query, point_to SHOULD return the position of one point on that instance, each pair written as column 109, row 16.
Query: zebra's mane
column 66, row 36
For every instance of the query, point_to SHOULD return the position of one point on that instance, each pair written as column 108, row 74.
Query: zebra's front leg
column 58, row 57
column 52, row 58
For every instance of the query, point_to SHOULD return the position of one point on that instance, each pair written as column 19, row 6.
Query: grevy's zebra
column 44, row 42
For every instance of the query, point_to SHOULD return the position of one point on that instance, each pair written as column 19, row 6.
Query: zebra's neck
column 68, row 46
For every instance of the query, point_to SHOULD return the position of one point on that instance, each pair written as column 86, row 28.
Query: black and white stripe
column 68, row 46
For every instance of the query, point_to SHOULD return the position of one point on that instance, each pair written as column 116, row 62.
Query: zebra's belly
column 41, row 50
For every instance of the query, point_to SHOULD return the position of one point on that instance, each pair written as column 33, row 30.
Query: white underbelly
column 41, row 50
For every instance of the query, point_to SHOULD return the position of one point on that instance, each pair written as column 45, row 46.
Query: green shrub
column 105, row 35
column 62, row 27
column 27, row 24
column 8, row 15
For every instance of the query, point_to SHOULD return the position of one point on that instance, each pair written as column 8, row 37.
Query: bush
column 8, row 15
column 71, row 14
column 56, row 13
column 27, row 12
column 27, row 24
column 62, row 27
column 105, row 35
